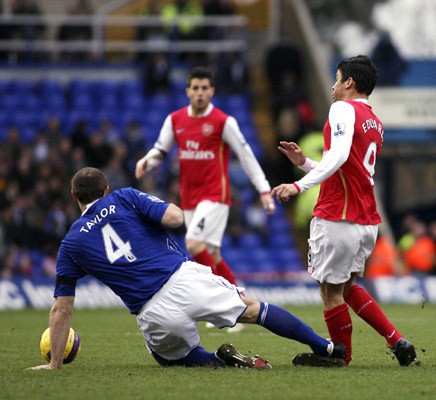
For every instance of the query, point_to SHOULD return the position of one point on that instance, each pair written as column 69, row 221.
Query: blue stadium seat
column 28, row 133
column 106, row 87
column 80, row 86
column 288, row 259
column 131, row 87
column 82, row 102
column 238, row 102
column 132, row 102
column 162, row 102
column 54, row 102
column 21, row 87
column 31, row 102
column 48, row 87
column 10, row 102
column 250, row 241
column 108, row 102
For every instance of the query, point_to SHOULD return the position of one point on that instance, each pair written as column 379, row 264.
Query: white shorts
column 168, row 321
column 339, row 248
column 207, row 222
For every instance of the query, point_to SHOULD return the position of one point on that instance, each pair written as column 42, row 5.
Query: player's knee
column 194, row 247
column 251, row 313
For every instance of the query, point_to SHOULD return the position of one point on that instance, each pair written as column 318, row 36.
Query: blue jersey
column 119, row 240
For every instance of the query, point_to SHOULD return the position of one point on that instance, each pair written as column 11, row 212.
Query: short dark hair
column 200, row 73
column 89, row 184
column 362, row 70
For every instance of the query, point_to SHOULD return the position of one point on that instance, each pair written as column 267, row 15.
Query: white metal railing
column 233, row 29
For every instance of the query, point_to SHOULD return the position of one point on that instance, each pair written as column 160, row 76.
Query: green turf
column 114, row 363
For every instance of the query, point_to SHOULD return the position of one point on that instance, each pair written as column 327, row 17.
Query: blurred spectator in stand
column 217, row 8
column 52, row 131
column 185, row 28
column 281, row 59
column 256, row 219
column 17, row 263
column 149, row 33
column 109, row 132
column 5, row 34
column 48, row 262
column 156, row 73
column 383, row 259
column 12, row 146
column 291, row 112
column 151, row 9
column 76, row 32
column 432, row 233
column 406, row 239
column 116, row 175
column 80, row 137
column 135, row 141
column 236, row 224
column 233, row 74
column 100, row 151
column 390, row 64
column 28, row 31
column 419, row 258
column 82, row 7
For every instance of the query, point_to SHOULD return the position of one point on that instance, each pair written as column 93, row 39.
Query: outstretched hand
column 141, row 165
column 284, row 192
column 293, row 152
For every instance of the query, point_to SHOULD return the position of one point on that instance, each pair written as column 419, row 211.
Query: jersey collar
column 205, row 114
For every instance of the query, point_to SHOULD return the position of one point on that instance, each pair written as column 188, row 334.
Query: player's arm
column 173, row 217
column 341, row 119
column 233, row 136
column 60, row 323
column 157, row 154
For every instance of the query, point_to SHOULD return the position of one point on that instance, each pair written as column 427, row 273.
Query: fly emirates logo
column 193, row 152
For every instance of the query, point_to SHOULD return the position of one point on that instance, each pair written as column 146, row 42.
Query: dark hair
column 89, row 184
column 362, row 70
column 201, row 73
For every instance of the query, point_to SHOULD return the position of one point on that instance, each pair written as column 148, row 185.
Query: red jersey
column 203, row 157
column 348, row 194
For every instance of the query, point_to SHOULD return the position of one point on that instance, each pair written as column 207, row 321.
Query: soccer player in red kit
column 345, row 220
column 204, row 136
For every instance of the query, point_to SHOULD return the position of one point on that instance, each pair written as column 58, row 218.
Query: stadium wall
column 21, row 293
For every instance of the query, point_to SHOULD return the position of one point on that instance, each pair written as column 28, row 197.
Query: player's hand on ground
column 43, row 366
column 268, row 203
column 293, row 152
column 284, row 192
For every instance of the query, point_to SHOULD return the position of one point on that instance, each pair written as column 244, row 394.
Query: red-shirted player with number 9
column 345, row 220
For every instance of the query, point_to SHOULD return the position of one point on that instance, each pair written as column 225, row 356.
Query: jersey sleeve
column 233, row 136
column 165, row 141
column 149, row 206
column 67, row 274
column 341, row 120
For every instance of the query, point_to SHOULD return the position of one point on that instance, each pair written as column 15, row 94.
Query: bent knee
column 251, row 312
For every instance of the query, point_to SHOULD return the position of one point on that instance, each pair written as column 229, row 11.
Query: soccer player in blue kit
column 121, row 239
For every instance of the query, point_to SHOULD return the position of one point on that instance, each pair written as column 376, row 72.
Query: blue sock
column 283, row 323
column 198, row 357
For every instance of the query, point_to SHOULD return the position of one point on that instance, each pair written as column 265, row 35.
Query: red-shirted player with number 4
column 345, row 220
column 204, row 136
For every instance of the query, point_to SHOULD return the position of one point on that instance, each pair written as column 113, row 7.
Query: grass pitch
column 114, row 363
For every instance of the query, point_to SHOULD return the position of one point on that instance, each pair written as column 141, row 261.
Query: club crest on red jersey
column 207, row 129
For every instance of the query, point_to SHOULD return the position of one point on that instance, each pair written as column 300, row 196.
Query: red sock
column 367, row 308
column 205, row 258
column 223, row 269
column 340, row 327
